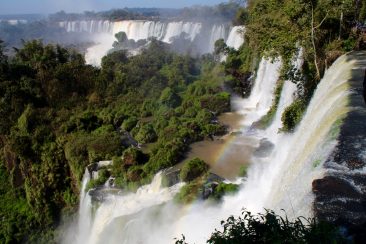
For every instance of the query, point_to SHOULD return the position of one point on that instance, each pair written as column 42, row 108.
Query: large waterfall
column 281, row 179
column 201, row 35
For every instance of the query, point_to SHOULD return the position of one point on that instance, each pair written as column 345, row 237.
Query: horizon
column 45, row 7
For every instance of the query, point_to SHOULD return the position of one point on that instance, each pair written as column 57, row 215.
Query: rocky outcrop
column 341, row 195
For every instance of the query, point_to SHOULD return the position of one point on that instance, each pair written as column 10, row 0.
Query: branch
column 316, row 27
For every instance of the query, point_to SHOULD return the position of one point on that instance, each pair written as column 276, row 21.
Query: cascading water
column 85, row 209
column 95, row 53
column 121, row 204
column 280, row 180
column 91, row 26
column 288, row 94
column 313, row 141
column 217, row 32
column 261, row 96
column 202, row 36
column 236, row 37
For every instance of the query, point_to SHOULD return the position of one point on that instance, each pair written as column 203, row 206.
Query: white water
column 260, row 100
column 236, row 37
column 288, row 94
column 85, row 211
column 94, row 54
column 281, row 180
column 203, row 36
column 310, row 146
column 90, row 26
column 122, row 204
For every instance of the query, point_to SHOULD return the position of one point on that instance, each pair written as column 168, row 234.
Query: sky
column 52, row 6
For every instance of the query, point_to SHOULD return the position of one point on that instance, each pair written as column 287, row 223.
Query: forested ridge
column 59, row 115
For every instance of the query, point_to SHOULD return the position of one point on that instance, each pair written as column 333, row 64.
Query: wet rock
column 214, row 178
column 236, row 133
column 341, row 195
column 171, row 177
column 97, row 194
column 355, row 163
column 127, row 140
column 134, row 175
column 334, row 187
column 92, row 167
column 264, row 149
column 208, row 190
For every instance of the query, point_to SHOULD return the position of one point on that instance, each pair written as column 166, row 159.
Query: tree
column 169, row 98
column 193, row 169
column 2, row 56
column 272, row 228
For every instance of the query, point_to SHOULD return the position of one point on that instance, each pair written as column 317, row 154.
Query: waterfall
column 85, row 210
column 201, row 36
column 125, row 204
column 90, row 26
column 95, row 53
column 287, row 97
column 236, row 37
column 313, row 141
column 260, row 100
column 280, row 180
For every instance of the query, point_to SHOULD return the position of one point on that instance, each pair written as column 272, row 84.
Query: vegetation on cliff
column 59, row 115
column 325, row 29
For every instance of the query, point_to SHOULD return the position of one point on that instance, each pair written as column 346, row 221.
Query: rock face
column 265, row 148
column 171, row 177
column 341, row 195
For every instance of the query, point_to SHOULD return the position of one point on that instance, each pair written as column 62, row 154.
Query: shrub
column 129, row 123
column 103, row 176
column 243, row 170
column 292, row 115
column 169, row 98
column 223, row 189
column 133, row 156
column 146, row 134
column 272, row 228
column 189, row 192
column 193, row 169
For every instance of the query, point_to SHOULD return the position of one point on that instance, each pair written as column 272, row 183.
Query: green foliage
column 169, row 98
column 239, row 66
column 189, row 192
column 146, row 134
column 121, row 36
column 129, row 123
column 103, row 176
column 83, row 149
column 133, row 156
column 362, row 14
column 217, row 104
column 220, row 47
column 193, row 169
column 272, row 228
column 292, row 115
column 224, row 189
column 59, row 115
column 12, row 209
column 243, row 170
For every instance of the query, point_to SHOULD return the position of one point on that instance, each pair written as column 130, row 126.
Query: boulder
column 332, row 187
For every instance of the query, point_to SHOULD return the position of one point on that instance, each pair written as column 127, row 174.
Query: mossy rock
column 193, row 169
